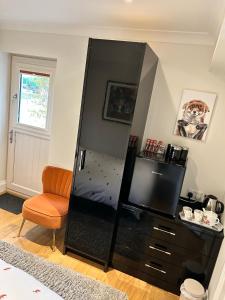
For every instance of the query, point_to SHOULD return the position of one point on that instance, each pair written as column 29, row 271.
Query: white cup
column 187, row 212
column 198, row 214
column 210, row 218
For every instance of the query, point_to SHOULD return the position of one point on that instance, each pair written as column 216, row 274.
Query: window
column 33, row 99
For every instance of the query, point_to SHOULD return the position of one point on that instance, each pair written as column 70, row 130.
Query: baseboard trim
column 17, row 194
column 2, row 186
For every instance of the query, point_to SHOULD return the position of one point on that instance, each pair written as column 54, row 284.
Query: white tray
column 218, row 227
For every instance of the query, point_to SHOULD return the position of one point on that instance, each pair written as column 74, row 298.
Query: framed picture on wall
column 119, row 102
column 195, row 114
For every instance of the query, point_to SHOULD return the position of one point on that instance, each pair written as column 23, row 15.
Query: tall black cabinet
column 116, row 95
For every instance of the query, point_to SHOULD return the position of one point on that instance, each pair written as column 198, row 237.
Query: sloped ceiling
column 218, row 60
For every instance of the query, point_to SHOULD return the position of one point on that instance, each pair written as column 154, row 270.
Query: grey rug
column 68, row 284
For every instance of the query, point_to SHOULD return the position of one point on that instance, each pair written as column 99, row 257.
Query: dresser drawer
column 162, row 250
column 183, row 235
column 151, row 266
column 137, row 226
column 173, row 288
column 173, row 254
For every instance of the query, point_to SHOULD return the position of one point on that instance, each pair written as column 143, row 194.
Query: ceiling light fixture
column 128, row 1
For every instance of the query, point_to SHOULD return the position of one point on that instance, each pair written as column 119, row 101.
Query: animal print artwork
column 194, row 114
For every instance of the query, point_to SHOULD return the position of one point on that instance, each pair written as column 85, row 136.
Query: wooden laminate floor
column 37, row 240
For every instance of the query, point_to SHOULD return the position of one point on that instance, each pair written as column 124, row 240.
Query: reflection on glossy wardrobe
column 116, row 96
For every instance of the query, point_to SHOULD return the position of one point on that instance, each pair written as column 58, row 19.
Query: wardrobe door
column 109, row 96
column 145, row 87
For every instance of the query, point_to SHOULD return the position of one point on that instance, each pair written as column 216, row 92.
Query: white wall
column 217, row 283
column 186, row 66
column 181, row 66
column 71, row 57
column 4, row 105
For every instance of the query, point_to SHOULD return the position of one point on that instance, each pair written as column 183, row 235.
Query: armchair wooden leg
column 53, row 239
column 21, row 227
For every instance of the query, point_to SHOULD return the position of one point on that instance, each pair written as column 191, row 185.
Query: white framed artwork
column 194, row 114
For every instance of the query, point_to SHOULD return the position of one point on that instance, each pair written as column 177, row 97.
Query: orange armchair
column 50, row 208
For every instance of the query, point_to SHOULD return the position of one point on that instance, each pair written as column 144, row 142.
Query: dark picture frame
column 120, row 99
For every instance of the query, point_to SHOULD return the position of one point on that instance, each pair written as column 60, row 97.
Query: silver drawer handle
column 165, row 231
column 157, row 249
column 157, row 173
column 156, row 269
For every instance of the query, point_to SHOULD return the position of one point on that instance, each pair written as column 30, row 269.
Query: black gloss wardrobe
column 117, row 89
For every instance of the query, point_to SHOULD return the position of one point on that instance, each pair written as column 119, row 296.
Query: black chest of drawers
column 164, row 251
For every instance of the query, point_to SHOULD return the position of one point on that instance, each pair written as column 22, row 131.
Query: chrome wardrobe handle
column 163, row 251
column 157, row 173
column 82, row 159
column 156, row 269
column 165, row 231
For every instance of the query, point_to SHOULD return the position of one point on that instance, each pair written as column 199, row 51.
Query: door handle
column 157, row 173
column 11, row 136
column 156, row 269
column 82, row 159
column 14, row 97
column 160, row 250
column 165, row 231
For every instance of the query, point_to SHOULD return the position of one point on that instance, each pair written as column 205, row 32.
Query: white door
column 29, row 125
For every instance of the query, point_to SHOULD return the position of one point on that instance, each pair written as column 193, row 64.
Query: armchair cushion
column 48, row 210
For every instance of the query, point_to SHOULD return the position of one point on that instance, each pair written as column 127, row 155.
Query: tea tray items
column 217, row 227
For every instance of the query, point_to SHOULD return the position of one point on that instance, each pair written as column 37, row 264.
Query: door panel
column 90, row 227
column 29, row 126
column 94, row 203
column 32, row 149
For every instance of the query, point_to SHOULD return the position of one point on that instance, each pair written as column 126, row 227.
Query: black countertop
column 177, row 219
column 194, row 205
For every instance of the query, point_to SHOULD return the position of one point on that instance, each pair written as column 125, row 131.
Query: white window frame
column 39, row 66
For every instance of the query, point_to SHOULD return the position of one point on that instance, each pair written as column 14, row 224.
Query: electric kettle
column 211, row 203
